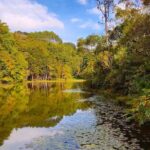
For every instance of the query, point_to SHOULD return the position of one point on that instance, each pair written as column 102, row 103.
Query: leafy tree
column 12, row 63
column 46, row 36
column 48, row 60
column 92, row 41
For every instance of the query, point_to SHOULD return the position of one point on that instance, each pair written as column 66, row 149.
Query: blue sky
column 70, row 19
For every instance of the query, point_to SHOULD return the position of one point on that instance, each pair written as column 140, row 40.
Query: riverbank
column 8, row 85
column 137, row 106
column 57, row 80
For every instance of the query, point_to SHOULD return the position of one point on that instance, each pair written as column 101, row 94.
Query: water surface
column 63, row 116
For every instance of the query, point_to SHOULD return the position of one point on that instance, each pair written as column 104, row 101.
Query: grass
column 10, row 85
column 57, row 80
column 6, row 86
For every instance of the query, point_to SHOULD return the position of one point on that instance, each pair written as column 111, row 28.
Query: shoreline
column 57, row 80
column 7, row 85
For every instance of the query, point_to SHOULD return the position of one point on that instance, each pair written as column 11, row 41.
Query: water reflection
column 35, row 106
column 50, row 116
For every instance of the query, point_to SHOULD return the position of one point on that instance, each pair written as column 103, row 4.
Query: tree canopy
column 122, row 65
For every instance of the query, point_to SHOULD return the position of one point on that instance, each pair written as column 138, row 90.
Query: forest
column 118, row 61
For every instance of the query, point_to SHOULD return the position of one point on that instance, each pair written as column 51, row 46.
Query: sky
column 70, row 19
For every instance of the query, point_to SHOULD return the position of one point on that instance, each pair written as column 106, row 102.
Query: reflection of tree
column 13, row 102
column 41, row 106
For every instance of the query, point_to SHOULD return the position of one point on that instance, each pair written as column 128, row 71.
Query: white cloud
column 90, row 24
column 74, row 20
column 83, row 2
column 27, row 15
column 94, row 11
column 27, row 136
column 121, row 6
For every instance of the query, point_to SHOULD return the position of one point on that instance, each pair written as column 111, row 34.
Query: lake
column 65, row 116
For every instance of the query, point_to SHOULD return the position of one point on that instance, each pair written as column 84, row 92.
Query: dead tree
column 106, row 8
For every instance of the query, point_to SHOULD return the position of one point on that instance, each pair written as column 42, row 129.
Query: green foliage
column 46, row 36
column 140, row 108
column 12, row 63
column 36, row 56
column 64, row 59
column 124, row 65
column 48, row 59
column 89, row 43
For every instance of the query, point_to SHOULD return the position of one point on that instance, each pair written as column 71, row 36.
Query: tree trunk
column 106, row 25
column 32, row 77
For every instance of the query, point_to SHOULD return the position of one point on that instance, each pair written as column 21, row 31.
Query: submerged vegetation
column 119, row 61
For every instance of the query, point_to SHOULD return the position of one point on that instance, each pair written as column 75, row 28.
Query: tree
column 146, row 2
column 92, row 41
column 105, row 7
column 81, row 45
column 46, row 36
column 13, row 65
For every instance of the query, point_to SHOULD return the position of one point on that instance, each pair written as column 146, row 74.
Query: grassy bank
column 57, row 80
column 9, row 85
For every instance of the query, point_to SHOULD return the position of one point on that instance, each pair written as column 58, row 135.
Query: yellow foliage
column 120, row 55
column 106, row 59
